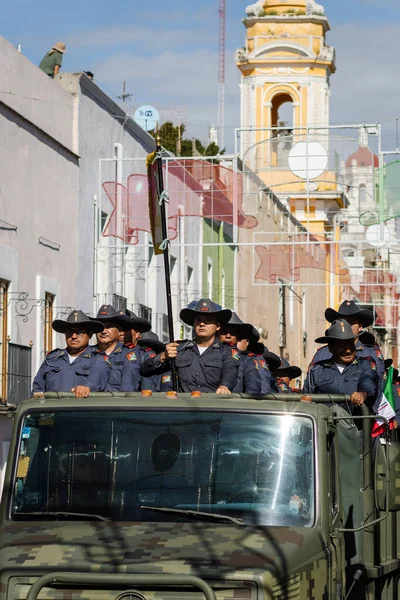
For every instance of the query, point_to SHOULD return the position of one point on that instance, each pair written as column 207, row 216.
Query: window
column 256, row 467
column 144, row 312
column 172, row 263
column 162, row 327
column 3, row 336
column 104, row 218
column 119, row 302
column 19, row 373
column 48, row 318
column 151, row 252
column 362, row 195
column 209, row 278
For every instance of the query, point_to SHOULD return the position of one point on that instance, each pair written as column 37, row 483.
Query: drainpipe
column 220, row 258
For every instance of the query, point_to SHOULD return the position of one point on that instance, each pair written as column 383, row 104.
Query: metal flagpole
column 164, row 229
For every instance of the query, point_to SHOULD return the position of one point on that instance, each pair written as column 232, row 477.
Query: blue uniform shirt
column 57, row 374
column 116, row 360
column 132, row 380
column 360, row 376
column 248, row 376
column 266, row 378
column 217, row 366
column 363, row 351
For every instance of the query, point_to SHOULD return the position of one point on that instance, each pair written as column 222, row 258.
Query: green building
column 219, row 263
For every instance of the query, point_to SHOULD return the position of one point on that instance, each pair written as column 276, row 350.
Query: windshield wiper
column 195, row 513
column 60, row 513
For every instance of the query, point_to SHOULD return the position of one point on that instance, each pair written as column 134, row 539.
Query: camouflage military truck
column 229, row 498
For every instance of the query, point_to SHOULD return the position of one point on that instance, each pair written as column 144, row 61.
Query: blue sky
column 167, row 51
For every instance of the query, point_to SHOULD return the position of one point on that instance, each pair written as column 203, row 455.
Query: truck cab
column 131, row 497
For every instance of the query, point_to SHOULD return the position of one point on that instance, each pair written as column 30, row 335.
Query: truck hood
column 201, row 549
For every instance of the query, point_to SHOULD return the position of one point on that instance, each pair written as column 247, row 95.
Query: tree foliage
column 169, row 134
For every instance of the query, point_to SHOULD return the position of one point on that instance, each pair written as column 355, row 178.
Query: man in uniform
column 160, row 381
column 133, row 353
column 238, row 335
column 203, row 364
column 284, row 374
column 266, row 361
column 76, row 368
column 345, row 372
column 108, row 344
column 358, row 319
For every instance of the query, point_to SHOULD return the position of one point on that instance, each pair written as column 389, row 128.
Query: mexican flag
column 387, row 407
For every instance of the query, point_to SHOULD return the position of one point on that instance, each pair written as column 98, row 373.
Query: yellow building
column 286, row 64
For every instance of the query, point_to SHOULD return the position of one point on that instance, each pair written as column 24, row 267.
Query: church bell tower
column 286, row 67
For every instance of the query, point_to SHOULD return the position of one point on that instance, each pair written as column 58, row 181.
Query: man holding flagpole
column 203, row 364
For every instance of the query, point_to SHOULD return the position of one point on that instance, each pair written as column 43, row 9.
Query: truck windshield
column 120, row 464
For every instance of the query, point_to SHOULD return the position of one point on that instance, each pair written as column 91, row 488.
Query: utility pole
column 221, row 74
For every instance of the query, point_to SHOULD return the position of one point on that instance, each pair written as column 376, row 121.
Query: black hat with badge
column 243, row 330
column 151, row 340
column 137, row 323
column 205, row 307
column 108, row 314
column 77, row 320
column 349, row 308
column 287, row 370
column 340, row 330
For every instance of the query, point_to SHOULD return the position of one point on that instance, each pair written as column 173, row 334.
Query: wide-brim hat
column 340, row 330
column 108, row 314
column 137, row 323
column 349, row 308
column 151, row 340
column 60, row 47
column 205, row 306
column 255, row 336
column 77, row 319
column 287, row 370
column 244, row 330
column 272, row 359
column 367, row 338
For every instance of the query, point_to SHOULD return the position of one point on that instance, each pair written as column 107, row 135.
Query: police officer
column 131, row 377
column 138, row 327
column 147, row 346
column 77, row 368
column 284, row 374
column 109, row 346
column 237, row 335
column 345, row 372
column 265, row 360
column 204, row 363
column 358, row 318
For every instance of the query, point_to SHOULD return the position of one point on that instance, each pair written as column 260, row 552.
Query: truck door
column 337, row 539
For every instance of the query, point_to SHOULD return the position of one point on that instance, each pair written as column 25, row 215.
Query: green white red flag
column 387, row 406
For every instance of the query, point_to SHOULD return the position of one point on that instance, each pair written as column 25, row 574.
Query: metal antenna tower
column 221, row 73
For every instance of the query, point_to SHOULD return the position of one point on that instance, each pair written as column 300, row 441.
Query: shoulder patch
column 235, row 354
column 378, row 354
column 257, row 366
column 166, row 379
column 152, row 354
column 88, row 355
column 373, row 365
column 131, row 356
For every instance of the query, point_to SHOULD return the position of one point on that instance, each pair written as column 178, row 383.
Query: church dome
column 363, row 157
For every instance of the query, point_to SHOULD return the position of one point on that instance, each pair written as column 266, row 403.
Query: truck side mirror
column 387, row 453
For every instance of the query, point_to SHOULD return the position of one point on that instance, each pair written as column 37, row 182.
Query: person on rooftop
column 52, row 60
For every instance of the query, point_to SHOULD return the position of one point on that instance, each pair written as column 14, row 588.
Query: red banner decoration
column 194, row 188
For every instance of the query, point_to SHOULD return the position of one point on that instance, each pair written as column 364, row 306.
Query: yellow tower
column 286, row 64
